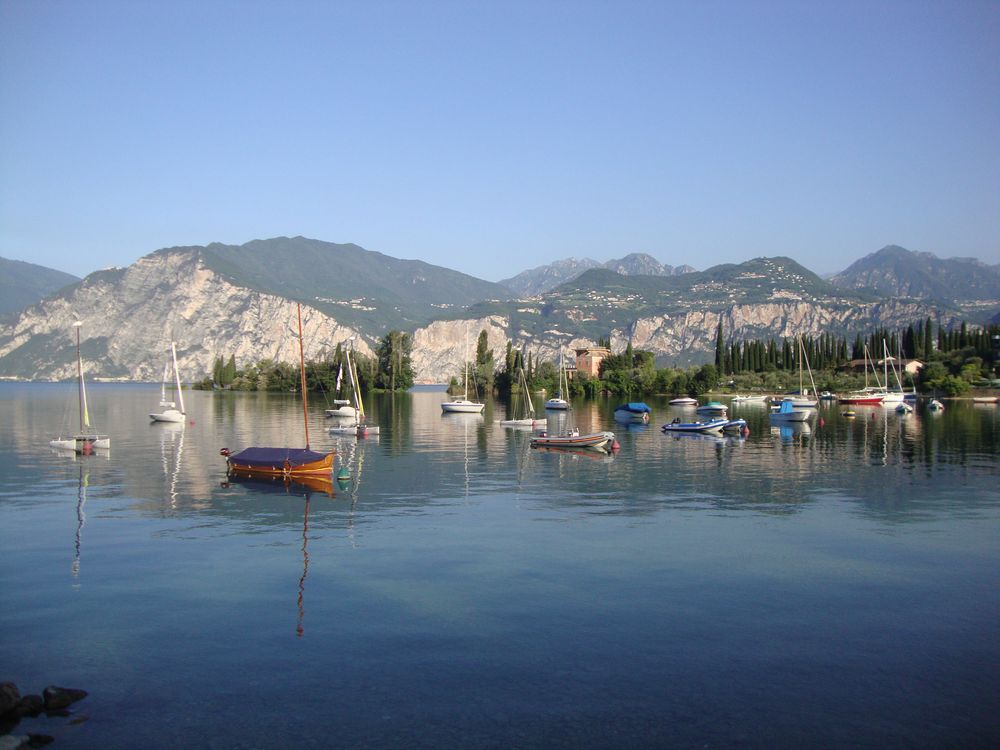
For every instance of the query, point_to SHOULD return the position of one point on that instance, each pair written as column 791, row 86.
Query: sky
column 491, row 138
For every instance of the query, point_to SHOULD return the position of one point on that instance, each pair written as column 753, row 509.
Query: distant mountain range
column 225, row 299
column 23, row 284
column 896, row 272
column 546, row 278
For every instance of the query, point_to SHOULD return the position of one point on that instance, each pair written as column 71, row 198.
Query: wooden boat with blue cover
column 289, row 463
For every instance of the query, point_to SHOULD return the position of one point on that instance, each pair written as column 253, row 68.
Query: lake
column 837, row 587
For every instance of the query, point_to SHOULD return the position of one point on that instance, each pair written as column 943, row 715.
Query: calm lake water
column 836, row 588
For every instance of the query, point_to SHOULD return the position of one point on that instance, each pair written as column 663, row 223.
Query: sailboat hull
column 461, row 406
column 169, row 415
column 281, row 462
column 81, row 443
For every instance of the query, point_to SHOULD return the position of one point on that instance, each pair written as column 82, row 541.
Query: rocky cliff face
column 130, row 316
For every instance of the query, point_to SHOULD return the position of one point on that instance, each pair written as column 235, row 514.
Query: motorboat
column 712, row 408
column 342, row 409
column 935, row 405
column 683, row 401
column 786, row 412
column 711, row 425
column 904, row 408
column 634, row 411
column 738, row 399
column 573, row 439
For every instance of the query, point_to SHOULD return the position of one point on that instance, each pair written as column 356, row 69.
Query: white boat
column 683, row 401
column 787, row 412
column 801, row 400
column 890, row 397
column 711, row 425
column 342, row 409
column 527, row 411
column 712, row 408
column 985, row 399
column 904, row 408
column 738, row 399
column 935, row 405
column 573, row 439
column 869, row 394
column 170, row 412
column 86, row 439
column 557, row 402
column 356, row 423
column 463, row 405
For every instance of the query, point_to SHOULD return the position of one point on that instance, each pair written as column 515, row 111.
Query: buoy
column 343, row 473
column 615, row 445
column 821, row 422
column 745, row 431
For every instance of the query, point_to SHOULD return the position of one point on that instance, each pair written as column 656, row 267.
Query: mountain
column 23, row 284
column 896, row 272
column 223, row 300
column 358, row 287
column 545, row 278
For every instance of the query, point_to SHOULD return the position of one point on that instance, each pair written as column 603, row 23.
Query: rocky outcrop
column 130, row 315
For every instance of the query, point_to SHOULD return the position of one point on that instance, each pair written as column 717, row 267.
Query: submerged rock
column 59, row 697
column 10, row 696
column 31, row 705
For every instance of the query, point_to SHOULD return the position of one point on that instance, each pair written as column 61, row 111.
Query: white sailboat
column 890, row 397
column 86, row 439
column 463, row 405
column 557, row 402
column 801, row 400
column 358, row 426
column 170, row 411
column 528, row 418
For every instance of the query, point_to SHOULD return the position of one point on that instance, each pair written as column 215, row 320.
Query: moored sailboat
column 170, row 411
column 86, row 439
column 289, row 463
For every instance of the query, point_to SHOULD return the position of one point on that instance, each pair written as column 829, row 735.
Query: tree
column 395, row 366
column 485, row 372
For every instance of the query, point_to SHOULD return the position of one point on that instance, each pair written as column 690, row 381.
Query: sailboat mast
column 177, row 375
column 84, row 413
column 302, row 374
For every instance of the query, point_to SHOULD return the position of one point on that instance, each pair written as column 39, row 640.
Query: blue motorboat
column 711, row 425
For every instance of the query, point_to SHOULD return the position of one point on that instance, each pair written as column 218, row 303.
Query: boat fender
column 225, row 452
column 822, row 423
column 745, row 431
column 543, row 433
column 615, row 445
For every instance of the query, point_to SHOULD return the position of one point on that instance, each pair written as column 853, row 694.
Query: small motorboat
column 738, row 399
column 683, row 401
column 711, row 425
column 634, row 411
column 787, row 412
column 935, row 405
column 827, row 396
column 712, row 408
column 736, row 425
column 985, row 399
column 904, row 408
column 573, row 439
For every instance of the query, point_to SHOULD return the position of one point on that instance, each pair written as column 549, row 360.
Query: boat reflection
column 81, row 520
column 290, row 485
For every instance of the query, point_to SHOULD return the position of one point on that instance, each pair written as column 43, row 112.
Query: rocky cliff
column 130, row 315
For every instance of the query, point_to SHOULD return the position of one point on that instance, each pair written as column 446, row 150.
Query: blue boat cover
column 635, row 406
column 269, row 457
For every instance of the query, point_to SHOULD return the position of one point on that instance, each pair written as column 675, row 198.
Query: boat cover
column 272, row 457
column 635, row 406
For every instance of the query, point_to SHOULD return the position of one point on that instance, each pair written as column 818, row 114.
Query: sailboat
column 87, row 438
column 867, row 395
column 557, row 402
column 528, row 414
column 890, row 396
column 463, row 405
column 358, row 426
column 170, row 412
column 342, row 406
column 802, row 400
column 287, row 463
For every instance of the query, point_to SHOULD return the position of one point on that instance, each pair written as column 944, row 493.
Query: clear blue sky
column 495, row 137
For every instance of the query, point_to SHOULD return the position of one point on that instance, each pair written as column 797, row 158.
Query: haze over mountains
column 223, row 299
